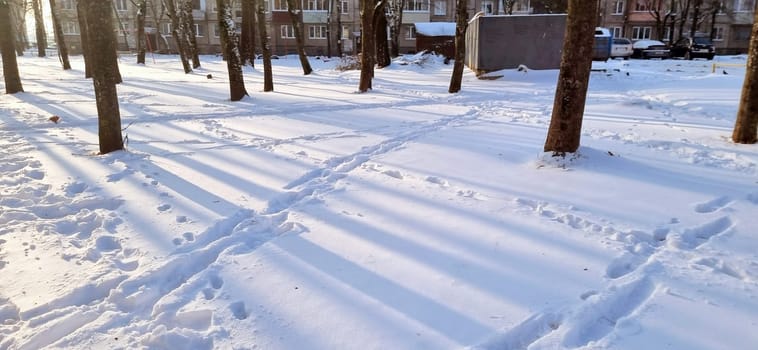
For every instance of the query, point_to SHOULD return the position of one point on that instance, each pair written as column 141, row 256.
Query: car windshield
column 702, row 41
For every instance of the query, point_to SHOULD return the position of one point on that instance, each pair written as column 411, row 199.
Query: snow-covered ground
column 314, row 217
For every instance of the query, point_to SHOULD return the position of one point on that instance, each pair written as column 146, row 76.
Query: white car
column 621, row 47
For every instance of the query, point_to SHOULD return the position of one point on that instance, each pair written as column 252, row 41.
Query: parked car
column 646, row 48
column 689, row 48
column 621, row 47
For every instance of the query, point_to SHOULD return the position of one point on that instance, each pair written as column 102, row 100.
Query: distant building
column 333, row 26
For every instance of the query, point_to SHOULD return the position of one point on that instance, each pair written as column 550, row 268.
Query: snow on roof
column 436, row 28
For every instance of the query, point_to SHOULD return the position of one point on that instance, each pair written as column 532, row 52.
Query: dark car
column 650, row 49
column 689, row 48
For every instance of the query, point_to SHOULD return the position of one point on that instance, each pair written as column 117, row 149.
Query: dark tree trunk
column 8, row 51
column 177, row 34
column 104, row 62
column 247, row 38
column 570, row 95
column 746, row 126
column 233, row 65
column 39, row 26
column 695, row 17
column 140, row 33
column 367, row 44
column 268, row 75
column 294, row 10
column 395, row 21
column 684, row 12
column 59, row 39
column 461, row 23
column 189, row 30
column 81, row 12
column 380, row 28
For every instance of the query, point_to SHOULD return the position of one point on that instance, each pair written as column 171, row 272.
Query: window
column 641, row 6
column 617, row 32
column 316, row 5
column 70, row 28
column 741, row 33
column 214, row 7
column 618, row 7
column 743, row 5
column 417, row 5
column 345, row 32
column 488, row 7
column 411, row 33
column 718, row 34
column 286, row 31
column 216, row 31
column 196, row 5
column 440, row 7
column 317, row 32
column 280, row 5
column 344, row 6
column 68, row 5
column 666, row 34
column 121, row 5
column 166, row 28
column 199, row 30
column 641, row 33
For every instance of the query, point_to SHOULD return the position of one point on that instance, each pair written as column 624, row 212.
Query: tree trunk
column 191, row 35
column 395, row 23
column 140, row 33
column 380, row 28
column 247, row 39
column 8, row 51
column 461, row 23
column 695, row 17
column 268, row 75
column 571, row 92
column 39, row 26
column 104, row 61
column 746, row 126
column 59, row 38
column 177, row 34
column 229, row 37
column 81, row 13
column 18, row 17
column 367, row 44
column 294, row 11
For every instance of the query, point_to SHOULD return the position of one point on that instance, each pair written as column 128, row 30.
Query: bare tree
column 380, row 29
column 104, row 63
column 190, row 34
column 394, row 13
column 268, row 75
column 59, row 38
column 177, row 33
column 18, row 10
column 461, row 23
column 662, row 11
column 229, row 38
column 295, row 12
column 570, row 95
column 746, row 126
column 81, row 14
column 141, row 6
column 39, row 26
column 247, row 37
column 8, row 51
column 368, row 7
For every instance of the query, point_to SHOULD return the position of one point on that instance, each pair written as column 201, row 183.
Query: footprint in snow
column 393, row 173
column 164, row 207
column 713, row 205
column 238, row 310
column 438, row 181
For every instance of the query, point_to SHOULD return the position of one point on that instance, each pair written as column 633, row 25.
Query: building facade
column 332, row 27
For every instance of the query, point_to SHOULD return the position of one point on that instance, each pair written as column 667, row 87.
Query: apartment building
column 333, row 26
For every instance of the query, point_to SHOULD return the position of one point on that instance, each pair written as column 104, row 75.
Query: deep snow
column 315, row 217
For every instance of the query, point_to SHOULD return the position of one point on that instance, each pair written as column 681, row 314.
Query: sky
column 317, row 217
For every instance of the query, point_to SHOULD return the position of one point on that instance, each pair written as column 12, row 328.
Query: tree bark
column 229, row 37
column 570, row 95
column 190, row 34
column 746, row 126
column 268, row 75
column 461, row 24
column 59, row 38
column 8, row 51
column 177, row 34
column 247, row 38
column 140, row 32
column 367, row 44
column 104, row 61
column 380, row 28
column 295, row 11
column 39, row 26
column 395, row 20
column 81, row 13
